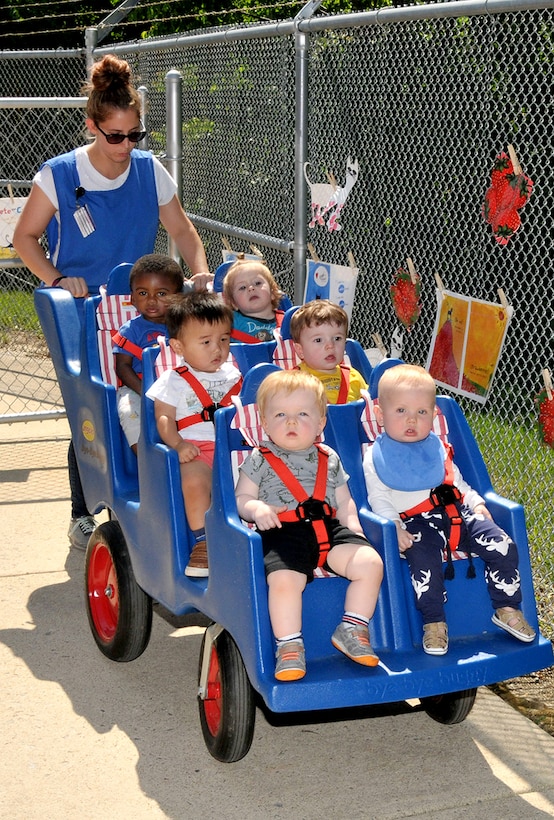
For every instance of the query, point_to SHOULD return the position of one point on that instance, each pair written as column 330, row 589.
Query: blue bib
column 409, row 466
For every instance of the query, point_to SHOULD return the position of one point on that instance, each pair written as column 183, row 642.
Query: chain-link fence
column 423, row 98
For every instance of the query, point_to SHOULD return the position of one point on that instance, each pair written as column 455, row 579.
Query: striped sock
column 353, row 619
column 296, row 636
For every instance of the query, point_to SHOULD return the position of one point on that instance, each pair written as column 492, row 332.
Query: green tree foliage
column 62, row 24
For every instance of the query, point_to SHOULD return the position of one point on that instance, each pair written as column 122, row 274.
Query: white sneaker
column 80, row 530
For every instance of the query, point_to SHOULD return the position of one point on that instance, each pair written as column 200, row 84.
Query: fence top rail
column 380, row 17
column 41, row 54
column 43, row 102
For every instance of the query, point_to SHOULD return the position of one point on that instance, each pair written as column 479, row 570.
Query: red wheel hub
column 212, row 702
column 103, row 593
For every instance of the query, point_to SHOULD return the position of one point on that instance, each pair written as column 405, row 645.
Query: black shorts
column 294, row 545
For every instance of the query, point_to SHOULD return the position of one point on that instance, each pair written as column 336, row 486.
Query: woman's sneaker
column 80, row 530
column 291, row 660
column 353, row 641
column 435, row 638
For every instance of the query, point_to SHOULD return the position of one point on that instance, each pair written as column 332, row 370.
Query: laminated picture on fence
column 330, row 197
column 467, row 343
column 10, row 208
column 337, row 283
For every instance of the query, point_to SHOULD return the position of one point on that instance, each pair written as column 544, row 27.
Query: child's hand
column 187, row 451
column 405, row 539
column 266, row 516
column 480, row 509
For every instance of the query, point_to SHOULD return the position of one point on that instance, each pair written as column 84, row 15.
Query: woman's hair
column 318, row 312
column 110, row 86
column 405, row 376
column 287, row 381
column 198, row 305
column 159, row 265
column 250, row 266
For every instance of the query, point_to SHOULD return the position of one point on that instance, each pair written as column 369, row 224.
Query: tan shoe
column 512, row 621
column 435, row 638
column 197, row 566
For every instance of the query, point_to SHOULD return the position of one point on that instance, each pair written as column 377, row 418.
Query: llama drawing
column 328, row 195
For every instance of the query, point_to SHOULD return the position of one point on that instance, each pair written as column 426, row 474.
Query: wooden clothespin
column 440, row 285
column 351, row 260
column 503, row 300
column 332, row 180
column 313, row 252
column 547, row 379
column 379, row 343
column 515, row 162
column 226, row 244
column 256, row 251
column 411, row 270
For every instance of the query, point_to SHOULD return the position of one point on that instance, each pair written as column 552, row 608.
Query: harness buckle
column 208, row 413
column 313, row 510
column 445, row 494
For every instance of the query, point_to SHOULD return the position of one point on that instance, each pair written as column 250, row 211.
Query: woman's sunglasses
column 117, row 139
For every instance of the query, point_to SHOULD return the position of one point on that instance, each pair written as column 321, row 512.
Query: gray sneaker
column 80, row 530
column 354, row 642
column 291, row 660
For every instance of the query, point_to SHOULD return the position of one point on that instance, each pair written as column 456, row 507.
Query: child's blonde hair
column 250, row 266
column 410, row 376
column 318, row 312
column 287, row 381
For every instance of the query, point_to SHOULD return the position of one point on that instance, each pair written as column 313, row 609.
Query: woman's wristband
column 56, row 282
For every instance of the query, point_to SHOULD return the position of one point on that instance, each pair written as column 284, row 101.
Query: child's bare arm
column 250, row 508
column 346, row 510
column 125, row 372
column 167, row 428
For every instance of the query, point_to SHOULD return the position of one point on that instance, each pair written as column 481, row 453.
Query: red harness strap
column 247, row 338
column 342, row 397
column 312, row 509
column 127, row 345
column 445, row 495
column 208, row 405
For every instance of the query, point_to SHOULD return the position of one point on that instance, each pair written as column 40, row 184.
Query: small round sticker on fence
column 321, row 276
column 88, row 430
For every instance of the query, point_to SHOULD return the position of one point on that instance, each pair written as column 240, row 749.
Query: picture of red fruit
column 443, row 365
column 405, row 294
column 508, row 193
column 546, row 417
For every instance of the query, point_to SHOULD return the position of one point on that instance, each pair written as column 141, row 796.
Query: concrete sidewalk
column 87, row 738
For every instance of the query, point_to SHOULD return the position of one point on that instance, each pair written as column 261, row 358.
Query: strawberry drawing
column 508, row 193
column 405, row 294
column 546, row 417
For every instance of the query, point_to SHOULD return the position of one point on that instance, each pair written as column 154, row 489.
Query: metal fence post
column 91, row 41
column 301, row 149
column 143, row 94
column 174, row 144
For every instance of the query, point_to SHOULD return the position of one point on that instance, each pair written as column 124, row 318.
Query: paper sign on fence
column 10, row 208
column 334, row 282
column 467, row 343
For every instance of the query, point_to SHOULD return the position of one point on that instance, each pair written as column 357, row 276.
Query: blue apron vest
column 126, row 220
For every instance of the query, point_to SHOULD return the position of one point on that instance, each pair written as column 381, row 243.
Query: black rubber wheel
column 119, row 611
column 228, row 712
column 453, row 707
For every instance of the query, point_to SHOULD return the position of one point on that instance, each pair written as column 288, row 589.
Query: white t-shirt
column 173, row 389
column 93, row 180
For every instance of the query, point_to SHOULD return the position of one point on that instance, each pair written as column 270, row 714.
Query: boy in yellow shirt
column 319, row 330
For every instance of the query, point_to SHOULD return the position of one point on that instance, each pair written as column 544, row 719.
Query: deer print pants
column 481, row 537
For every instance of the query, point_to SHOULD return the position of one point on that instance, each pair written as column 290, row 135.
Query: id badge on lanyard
column 82, row 215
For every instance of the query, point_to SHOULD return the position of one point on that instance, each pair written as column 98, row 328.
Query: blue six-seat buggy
column 140, row 555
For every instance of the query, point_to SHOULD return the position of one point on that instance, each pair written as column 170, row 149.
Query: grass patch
column 18, row 313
